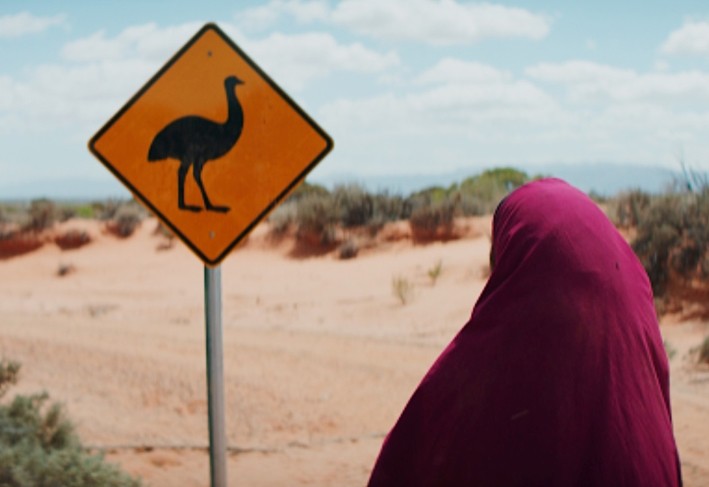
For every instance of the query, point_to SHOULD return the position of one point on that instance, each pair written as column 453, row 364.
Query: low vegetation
column 435, row 272
column 39, row 446
column 669, row 231
column 316, row 214
column 348, row 249
column 671, row 239
column 402, row 288
column 669, row 349
column 126, row 219
column 26, row 226
column 703, row 352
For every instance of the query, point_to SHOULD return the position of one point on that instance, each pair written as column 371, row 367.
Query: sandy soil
column 320, row 356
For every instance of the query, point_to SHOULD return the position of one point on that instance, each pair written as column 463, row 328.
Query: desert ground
column 320, row 355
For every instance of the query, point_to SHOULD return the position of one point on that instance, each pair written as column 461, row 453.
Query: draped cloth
column 559, row 378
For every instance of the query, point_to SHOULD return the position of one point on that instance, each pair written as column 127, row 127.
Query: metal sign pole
column 215, row 375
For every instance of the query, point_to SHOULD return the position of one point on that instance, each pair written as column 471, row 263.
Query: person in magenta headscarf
column 559, row 378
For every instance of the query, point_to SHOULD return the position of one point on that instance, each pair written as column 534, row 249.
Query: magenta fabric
column 559, row 378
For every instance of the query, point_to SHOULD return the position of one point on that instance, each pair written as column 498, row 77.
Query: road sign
column 210, row 144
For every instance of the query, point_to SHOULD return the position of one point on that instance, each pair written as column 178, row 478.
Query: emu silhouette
column 195, row 140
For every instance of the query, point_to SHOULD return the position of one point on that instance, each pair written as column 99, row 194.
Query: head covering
column 559, row 378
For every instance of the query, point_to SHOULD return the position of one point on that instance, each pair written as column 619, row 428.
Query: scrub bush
column 106, row 210
column 434, row 209
column 484, row 191
column 72, row 239
column 349, row 249
column 435, row 272
column 673, row 239
column 703, row 355
column 316, row 213
column 435, row 221
column 42, row 214
column 39, row 447
column 126, row 219
column 355, row 206
column 282, row 218
column 315, row 219
column 9, row 374
column 629, row 208
column 402, row 289
column 669, row 349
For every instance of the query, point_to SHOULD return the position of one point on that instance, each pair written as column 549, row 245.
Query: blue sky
column 403, row 86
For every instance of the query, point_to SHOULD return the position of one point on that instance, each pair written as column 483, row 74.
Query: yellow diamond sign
column 210, row 144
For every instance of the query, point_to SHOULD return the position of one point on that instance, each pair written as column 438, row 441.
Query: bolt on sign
column 210, row 144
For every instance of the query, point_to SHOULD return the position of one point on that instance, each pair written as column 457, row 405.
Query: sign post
column 215, row 375
column 211, row 145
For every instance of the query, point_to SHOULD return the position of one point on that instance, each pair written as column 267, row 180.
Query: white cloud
column 453, row 99
column 661, row 65
column 265, row 16
column 24, row 23
column 93, row 48
column 104, row 71
column 434, row 22
column 440, row 22
column 691, row 38
column 460, row 113
column 296, row 60
column 450, row 70
column 58, row 96
column 147, row 41
column 587, row 81
column 577, row 72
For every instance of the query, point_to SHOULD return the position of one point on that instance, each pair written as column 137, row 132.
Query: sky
column 404, row 87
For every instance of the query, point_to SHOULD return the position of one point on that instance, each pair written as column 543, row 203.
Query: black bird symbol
column 195, row 140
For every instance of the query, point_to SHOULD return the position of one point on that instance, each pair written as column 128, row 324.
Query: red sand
column 320, row 356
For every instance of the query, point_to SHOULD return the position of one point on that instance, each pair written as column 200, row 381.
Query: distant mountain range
column 604, row 179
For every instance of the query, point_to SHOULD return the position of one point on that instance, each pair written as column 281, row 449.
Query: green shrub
column 14, row 214
column 355, row 206
column 703, row 352
column 402, row 289
column 106, row 210
column 65, row 213
column 39, row 447
column 84, row 211
column 126, row 219
column 316, row 217
column 473, row 205
column 9, row 373
column 317, row 212
column 433, row 195
column 669, row 349
column 74, row 210
column 597, row 197
column 488, row 188
column 629, row 208
column 282, row 218
column 42, row 214
column 389, row 208
column 433, row 222
column 435, row 272
column 306, row 189
column 672, row 240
